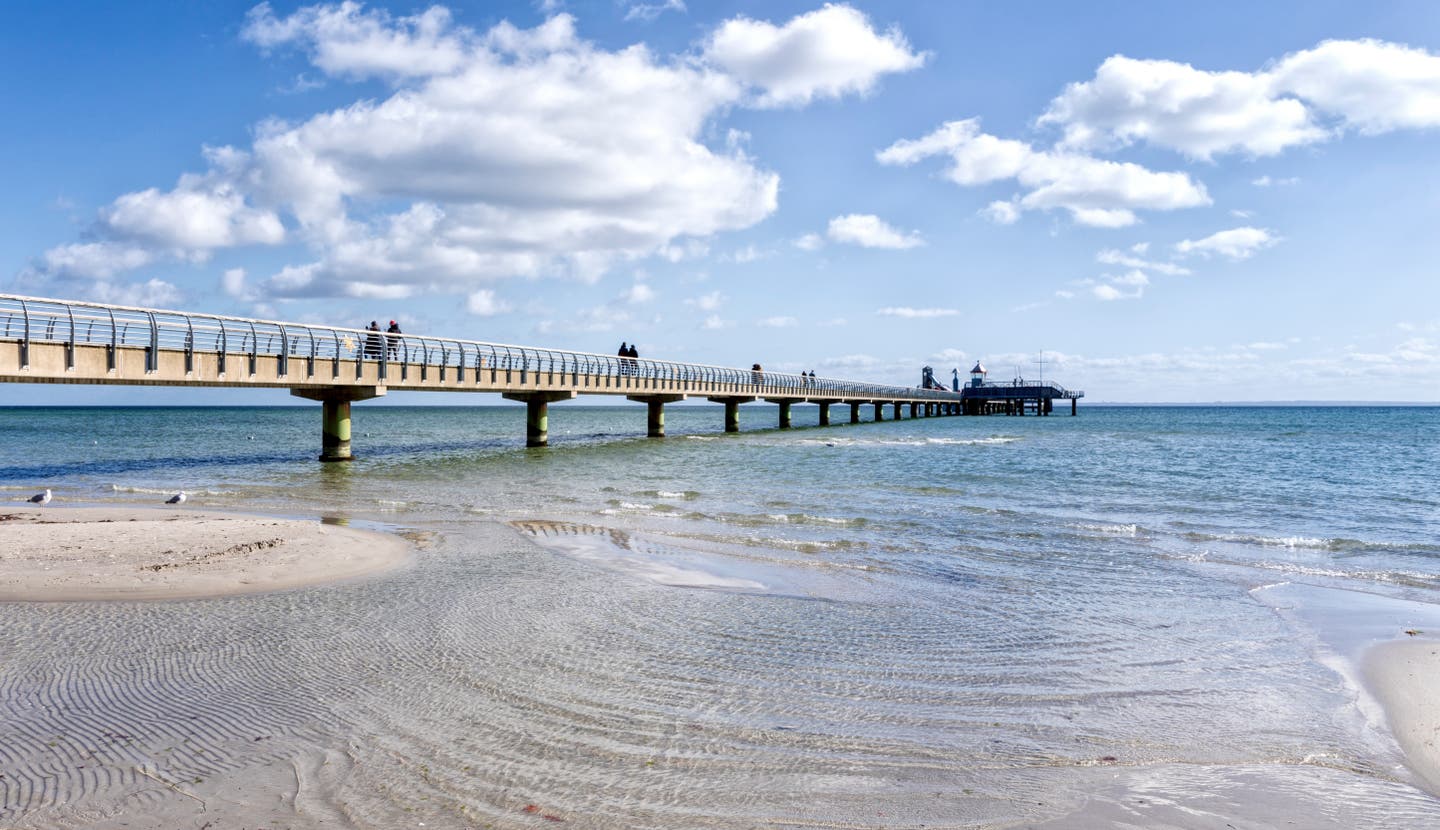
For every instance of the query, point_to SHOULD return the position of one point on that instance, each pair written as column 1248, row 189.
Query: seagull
column 41, row 499
column 178, row 498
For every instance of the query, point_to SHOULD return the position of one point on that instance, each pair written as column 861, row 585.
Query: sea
column 1135, row 617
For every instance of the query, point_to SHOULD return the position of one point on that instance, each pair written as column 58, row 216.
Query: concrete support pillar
column 824, row 413
column 914, row 410
column 784, row 414
column 335, row 431
column 335, row 416
column 537, row 414
column 879, row 411
column 655, row 412
column 895, row 411
column 1074, row 406
column 732, row 411
column 854, row 413
column 537, row 422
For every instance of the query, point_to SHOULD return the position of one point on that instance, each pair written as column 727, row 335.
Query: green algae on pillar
column 537, row 414
column 655, row 415
column 732, row 410
column 335, row 416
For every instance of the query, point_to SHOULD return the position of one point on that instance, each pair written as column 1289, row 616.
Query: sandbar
column 125, row 553
column 1404, row 676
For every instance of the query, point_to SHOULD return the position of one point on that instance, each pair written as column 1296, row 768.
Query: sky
column 1151, row 202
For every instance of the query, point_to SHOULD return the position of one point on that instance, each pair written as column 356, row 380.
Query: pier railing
column 238, row 343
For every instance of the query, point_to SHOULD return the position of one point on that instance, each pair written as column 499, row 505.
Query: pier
column 1017, row 397
column 62, row 341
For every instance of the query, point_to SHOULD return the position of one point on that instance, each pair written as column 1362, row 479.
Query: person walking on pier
column 633, row 355
column 392, row 342
column 624, row 354
column 756, row 373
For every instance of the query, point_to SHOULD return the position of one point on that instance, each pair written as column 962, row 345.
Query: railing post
column 25, row 344
column 152, row 354
column 224, row 346
column 254, row 349
column 189, row 345
column 70, row 344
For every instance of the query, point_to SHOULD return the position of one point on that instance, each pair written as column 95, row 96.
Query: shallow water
column 956, row 622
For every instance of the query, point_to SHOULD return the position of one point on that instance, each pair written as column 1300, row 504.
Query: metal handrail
column 156, row 329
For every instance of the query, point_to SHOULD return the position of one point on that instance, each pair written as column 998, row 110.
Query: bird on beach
column 41, row 499
column 178, row 498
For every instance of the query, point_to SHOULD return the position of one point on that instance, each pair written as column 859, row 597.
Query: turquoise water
column 954, row 621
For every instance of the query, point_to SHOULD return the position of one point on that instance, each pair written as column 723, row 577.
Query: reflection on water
column 1053, row 629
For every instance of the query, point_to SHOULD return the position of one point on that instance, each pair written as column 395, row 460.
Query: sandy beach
column 115, row 553
column 1405, row 677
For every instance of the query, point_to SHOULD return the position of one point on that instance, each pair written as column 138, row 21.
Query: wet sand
column 1405, row 677
column 117, row 553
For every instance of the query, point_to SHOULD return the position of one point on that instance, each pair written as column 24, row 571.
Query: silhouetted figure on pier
column 632, row 356
column 392, row 343
column 623, row 354
column 372, row 340
column 756, row 373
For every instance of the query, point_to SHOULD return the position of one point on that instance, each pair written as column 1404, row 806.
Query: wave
column 1333, row 545
column 1114, row 529
column 170, row 491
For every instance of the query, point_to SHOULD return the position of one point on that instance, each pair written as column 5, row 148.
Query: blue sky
column 1174, row 203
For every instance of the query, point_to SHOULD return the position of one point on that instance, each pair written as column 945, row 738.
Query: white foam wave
column 152, row 491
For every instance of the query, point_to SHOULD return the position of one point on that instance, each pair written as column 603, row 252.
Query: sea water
column 1000, row 621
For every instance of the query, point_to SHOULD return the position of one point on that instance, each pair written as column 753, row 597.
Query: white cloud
column 346, row 40
column 195, row 216
column 1174, row 105
column 825, row 53
column 714, row 323
column 1371, row 85
column 650, row 11
column 497, row 154
column 1001, row 212
column 1266, row 181
column 916, row 313
column 1128, row 286
column 870, row 231
column 1110, row 256
column 1096, row 192
column 232, row 282
column 748, row 254
column 778, row 323
column 1236, row 243
column 810, row 242
column 1305, row 97
column 484, row 303
column 100, row 260
column 707, row 302
column 152, row 293
column 639, row 293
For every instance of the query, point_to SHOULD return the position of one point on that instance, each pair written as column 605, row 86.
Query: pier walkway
column 63, row 341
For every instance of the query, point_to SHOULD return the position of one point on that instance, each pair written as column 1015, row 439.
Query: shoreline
column 72, row 554
column 1403, row 675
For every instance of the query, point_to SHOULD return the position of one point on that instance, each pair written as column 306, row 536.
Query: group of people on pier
column 628, row 355
column 382, row 344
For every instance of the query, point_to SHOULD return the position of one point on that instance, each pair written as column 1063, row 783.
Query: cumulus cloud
column 826, row 53
column 1235, row 244
column 1128, row 286
column 100, row 260
column 1305, row 97
column 484, row 303
column 870, row 231
column 1266, row 181
column 778, row 323
column 347, row 40
column 1096, row 192
column 707, row 302
column 498, row 153
column 638, row 293
column 916, row 313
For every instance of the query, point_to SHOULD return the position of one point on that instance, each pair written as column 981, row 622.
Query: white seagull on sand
column 41, row 499
column 178, row 498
